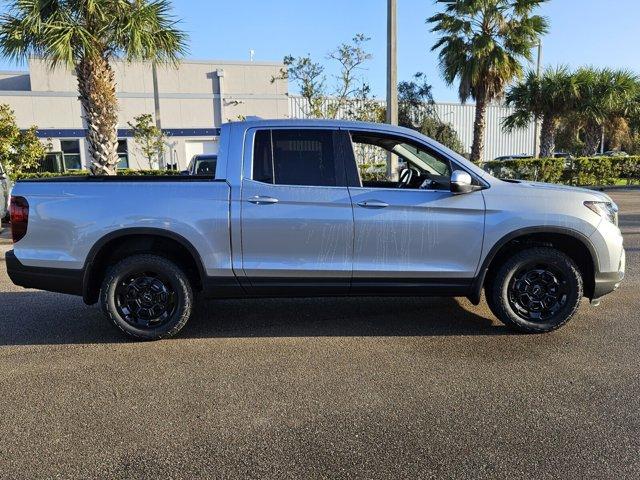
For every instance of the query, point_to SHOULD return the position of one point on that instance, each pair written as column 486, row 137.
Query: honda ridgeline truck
column 307, row 208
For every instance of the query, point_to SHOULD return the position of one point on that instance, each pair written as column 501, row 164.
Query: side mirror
column 461, row 182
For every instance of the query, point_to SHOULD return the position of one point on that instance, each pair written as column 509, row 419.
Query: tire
column 147, row 297
column 538, row 290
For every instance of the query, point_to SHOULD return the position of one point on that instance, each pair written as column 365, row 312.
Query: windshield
column 205, row 166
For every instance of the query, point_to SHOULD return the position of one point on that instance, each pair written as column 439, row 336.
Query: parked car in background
column 5, row 192
column 508, row 158
column 204, row 164
column 615, row 153
column 287, row 213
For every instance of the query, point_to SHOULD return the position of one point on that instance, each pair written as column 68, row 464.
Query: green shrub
column 595, row 171
column 591, row 171
column 548, row 170
column 629, row 169
column 83, row 173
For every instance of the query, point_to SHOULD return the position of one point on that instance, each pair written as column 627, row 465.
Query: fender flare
column 478, row 283
column 125, row 232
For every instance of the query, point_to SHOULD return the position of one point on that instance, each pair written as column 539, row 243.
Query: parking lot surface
column 323, row 388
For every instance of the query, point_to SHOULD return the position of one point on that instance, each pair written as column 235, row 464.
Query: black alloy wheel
column 537, row 292
column 145, row 299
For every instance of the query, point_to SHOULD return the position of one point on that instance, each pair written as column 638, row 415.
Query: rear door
column 296, row 219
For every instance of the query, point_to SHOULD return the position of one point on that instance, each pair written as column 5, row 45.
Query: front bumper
column 606, row 283
column 60, row 280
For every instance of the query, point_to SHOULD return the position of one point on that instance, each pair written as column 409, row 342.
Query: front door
column 297, row 220
column 410, row 230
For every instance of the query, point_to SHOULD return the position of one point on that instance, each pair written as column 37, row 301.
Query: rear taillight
column 19, row 211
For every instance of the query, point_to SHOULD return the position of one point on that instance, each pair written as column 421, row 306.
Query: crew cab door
column 411, row 233
column 296, row 219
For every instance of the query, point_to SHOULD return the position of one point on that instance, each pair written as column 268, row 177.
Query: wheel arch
column 128, row 241
column 585, row 254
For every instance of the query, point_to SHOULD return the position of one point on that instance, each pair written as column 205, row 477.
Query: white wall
column 190, row 98
column 461, row 117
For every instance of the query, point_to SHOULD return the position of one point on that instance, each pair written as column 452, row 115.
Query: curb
column 615, row 188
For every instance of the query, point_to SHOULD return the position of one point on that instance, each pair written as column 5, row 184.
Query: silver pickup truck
column 316, row 208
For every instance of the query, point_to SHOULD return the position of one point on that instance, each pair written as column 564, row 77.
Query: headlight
column 607, row 210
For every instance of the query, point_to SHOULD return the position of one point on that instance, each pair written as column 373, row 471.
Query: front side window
column 297, row 157
column 418, row 168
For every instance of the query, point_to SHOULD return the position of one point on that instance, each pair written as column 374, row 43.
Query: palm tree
column 85, row 35
column 550, row 97
column 481, row 46
column 604, row 96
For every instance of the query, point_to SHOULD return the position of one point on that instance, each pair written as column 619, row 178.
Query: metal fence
column 461, row 117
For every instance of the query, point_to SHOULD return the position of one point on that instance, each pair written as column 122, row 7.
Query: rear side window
column 297, row 157
column 263, row 157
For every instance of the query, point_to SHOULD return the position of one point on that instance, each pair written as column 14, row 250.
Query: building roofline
column 200, row 61
column 232, row 62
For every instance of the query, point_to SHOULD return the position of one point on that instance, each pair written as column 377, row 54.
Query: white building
column 195, row 99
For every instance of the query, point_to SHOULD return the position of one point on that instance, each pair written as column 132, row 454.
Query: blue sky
column 583, row 32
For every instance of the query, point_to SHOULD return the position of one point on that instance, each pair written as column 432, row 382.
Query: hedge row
column 579, row 171
column 76, row 173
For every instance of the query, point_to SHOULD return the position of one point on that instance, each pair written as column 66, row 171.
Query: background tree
column 550, row 97
column 20, row 150
column 416, row 110
column 482, row 45
column 310, row 77
column 351, row 57
column 85, row 35
column 604, row 97
column 149, row 137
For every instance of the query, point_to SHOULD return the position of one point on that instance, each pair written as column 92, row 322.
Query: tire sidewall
column 174, row 275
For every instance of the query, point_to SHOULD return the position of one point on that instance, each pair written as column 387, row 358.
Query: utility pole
column 156, row 101
column 536, row 134
column 392, row 79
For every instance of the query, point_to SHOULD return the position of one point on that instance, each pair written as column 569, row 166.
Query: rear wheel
column 536, row 291
column 147, row 297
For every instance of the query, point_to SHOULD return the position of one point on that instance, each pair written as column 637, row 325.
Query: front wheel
column 147, row 297
column 537, row 290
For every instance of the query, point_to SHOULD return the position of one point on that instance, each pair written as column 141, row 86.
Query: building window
column 71, row 153
column 123, row 154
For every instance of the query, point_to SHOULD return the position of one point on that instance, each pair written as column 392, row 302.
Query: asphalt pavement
column 323, row 388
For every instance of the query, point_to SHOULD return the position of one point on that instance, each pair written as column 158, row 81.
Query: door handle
column 258, row 200
column 372, row 204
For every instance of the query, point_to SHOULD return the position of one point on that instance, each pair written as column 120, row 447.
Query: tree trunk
column 548, row 136
column 479, row 127
column 592, row 138
column 97, row 89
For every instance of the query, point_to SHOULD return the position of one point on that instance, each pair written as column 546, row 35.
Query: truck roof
column 322, row 122
column 254, row 122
